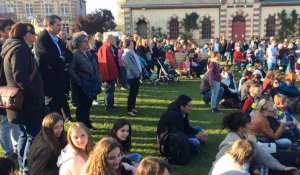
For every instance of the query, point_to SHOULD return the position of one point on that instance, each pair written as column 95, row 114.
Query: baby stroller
column 148, row 74
column 167, row 73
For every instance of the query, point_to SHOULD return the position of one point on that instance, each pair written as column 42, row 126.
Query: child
column 106, row 158
column 249, row 103
column 238, row 58
column 76, row 153
column 46, row 146
column 259, row 55
column 153, row 166
column 121, row 131
column 170, row 57
column 280, row 103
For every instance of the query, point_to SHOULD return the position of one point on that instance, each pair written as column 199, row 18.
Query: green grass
column 152, row 102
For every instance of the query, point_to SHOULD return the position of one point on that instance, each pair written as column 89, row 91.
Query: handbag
column 12, row 97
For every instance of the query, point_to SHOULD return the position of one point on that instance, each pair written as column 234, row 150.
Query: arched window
column 142, row 28
column 270, row 30
column 174, row 29
column 299, row 27
column 206, row 28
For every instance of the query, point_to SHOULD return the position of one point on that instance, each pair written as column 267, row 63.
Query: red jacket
column 238, row 56
column 108, row 69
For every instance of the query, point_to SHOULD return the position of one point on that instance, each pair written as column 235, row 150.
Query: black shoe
column 217, row 111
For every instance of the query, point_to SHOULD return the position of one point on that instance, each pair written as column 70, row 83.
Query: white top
column 226, row 165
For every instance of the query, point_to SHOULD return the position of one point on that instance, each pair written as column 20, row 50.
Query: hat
column 258, row 72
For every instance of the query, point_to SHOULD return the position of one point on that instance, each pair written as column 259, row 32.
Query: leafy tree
column 190, row 24
column 156, row 32
column 101, row 20
column 287, row 23
column 120, row 16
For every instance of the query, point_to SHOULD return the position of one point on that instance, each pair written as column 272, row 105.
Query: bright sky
column 112, row 5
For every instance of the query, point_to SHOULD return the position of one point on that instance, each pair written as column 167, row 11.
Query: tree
column 287, row 23
column 120, row 16
column 156, row 32
column 190, row 24
column 101, row 20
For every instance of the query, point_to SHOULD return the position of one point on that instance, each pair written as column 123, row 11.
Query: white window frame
column 10, row 8
column 48, row 9
column 29, row 9
column 64, row 10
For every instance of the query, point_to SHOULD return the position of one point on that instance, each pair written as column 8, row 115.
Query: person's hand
column 283, row 120
column 201, row 136
column 287, row 168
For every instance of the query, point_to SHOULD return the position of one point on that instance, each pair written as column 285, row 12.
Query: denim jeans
column 271, row 65
column 136, row 157
column 207, row 95
column 109, row 94
column 283, row 143
column 6, row 131
column 27, row 134
column 195, row 143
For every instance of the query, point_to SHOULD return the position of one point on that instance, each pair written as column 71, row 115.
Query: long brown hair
column 152, row 166
column 90, row 144
column 47, row 132
column 98, row 160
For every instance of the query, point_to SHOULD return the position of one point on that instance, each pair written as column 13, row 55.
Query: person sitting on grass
column 105, row 159
column 153, row 166
column 46, row 147
column 121, row 131
column 238, row 123
column 7, row 166
column 176, row 118
column 251, row 100
column 74, row 156
column 237, row 160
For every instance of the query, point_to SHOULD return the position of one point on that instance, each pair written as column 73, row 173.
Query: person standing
column 20, row 70
column 6, row 128
column 108, row 70
column 83, row 71
column 215, row 78
column 272, row 53
column 51, row 62
column 134, row 73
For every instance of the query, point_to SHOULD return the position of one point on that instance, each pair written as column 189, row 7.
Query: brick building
column 34, row 10
column 234, row 19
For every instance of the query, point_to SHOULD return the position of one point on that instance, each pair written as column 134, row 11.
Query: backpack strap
column 161, row 140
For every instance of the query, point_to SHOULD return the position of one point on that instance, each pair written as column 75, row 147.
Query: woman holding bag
column 83, row 71
column 20, row 70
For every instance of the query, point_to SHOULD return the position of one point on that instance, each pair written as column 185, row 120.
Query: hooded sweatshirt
column 70, row 162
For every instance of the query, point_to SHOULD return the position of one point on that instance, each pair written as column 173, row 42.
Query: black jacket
column 19, row 63
column 51, row 66
column 173, row 119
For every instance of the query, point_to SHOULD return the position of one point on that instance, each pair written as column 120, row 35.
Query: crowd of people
column 48, row 65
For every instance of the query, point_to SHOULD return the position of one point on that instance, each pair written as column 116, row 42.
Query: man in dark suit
column 51, row 61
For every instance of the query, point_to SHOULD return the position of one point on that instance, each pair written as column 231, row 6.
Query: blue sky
column 91, row 5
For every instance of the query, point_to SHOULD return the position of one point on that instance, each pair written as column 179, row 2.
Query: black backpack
column 175, row 146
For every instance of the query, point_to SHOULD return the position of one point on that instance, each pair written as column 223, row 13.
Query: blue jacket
column 133, row 65
column 287, row 90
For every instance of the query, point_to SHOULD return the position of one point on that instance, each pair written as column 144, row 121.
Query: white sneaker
column 96, row 102
column 123, row 89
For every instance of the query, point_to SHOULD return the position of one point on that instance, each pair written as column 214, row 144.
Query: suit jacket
column 51, row 66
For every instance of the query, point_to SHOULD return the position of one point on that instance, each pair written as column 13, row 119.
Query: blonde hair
column 242, row 151
column 90, row 144
column 152, row 166
column 279, row 99
column 264, row 105
column 98, row 159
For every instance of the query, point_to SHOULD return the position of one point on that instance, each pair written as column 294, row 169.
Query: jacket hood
column 66, row 154
column 174, row 107
column 11, row 44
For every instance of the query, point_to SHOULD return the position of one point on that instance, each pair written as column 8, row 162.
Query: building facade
column 34, row 11
column 234, row 19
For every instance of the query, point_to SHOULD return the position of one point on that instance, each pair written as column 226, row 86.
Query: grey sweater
column 259, row 157
column 132, row 64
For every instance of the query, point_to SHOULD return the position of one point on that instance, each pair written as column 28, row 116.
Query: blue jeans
column 195, row 143
column 207, row 95
column 136, row 157
column 6, row 129
column 109, row 94
column 283, row 143
column 27, row 135
column 271, row 65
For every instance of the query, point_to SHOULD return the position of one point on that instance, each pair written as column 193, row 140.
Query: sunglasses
column 31, row 30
